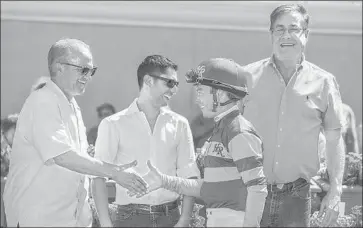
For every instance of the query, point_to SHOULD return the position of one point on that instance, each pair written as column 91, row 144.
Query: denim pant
column 129, row 216
column 289, row 206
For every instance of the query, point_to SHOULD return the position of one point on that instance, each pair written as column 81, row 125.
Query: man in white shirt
column 148, row 129
column 46, row 184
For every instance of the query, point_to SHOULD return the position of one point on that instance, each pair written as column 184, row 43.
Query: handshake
column 136, row 185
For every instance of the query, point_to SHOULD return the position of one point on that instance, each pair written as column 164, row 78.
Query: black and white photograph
column 181, row 114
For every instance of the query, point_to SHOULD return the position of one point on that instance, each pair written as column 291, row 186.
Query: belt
column 162, row 208
column 286, row 186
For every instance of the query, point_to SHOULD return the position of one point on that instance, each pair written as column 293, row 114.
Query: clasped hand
column 131, row 181
column 153, row 180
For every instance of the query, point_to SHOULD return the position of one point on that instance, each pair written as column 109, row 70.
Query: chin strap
column 215, row 99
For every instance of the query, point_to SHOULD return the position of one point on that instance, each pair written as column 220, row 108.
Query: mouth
column 284, row 45
column 200, row 103
column 167, row 96
column 82, row 82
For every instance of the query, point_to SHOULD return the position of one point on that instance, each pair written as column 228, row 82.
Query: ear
column 58, row 67
column 222, row 95
column 148, row 80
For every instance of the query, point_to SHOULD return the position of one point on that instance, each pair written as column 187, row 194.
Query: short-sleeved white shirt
column 126, row 136
column 37, row 191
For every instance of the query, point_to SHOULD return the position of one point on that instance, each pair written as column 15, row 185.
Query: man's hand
column 130, row 181
column 153, row 179
column 330, row 205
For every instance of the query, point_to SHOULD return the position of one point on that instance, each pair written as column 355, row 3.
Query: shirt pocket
column 311, row 107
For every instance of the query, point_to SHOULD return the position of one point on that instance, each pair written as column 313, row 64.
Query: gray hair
column 287, row 8
column 63, row 50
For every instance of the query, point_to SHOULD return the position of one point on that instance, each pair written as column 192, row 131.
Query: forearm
column 187, row 187
column 255, row 205
column 85, row 164
column 187, row 207
column 100, row 196
column 335, row 162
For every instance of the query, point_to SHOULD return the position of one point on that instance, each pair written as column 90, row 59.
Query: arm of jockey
column 246, row 150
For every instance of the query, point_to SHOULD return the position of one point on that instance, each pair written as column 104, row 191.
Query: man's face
column 74, row 79
column 204, row 99
column 288, row 36
column 160, row 92
column 105, row 112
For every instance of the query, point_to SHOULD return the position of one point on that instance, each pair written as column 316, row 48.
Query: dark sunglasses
column 84, row 70
column 170, row 83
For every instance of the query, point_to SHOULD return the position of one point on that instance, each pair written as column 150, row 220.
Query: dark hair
column 106, row 106
column 152, row 63
column 9, row 122
column 287, row 8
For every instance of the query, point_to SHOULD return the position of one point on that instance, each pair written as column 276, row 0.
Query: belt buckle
column 279, row 186
column 151, row 209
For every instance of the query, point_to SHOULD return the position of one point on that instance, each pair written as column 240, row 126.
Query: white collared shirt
column 126, row 136
column 37, row 191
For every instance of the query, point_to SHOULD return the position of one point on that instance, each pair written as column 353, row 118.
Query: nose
column 88, row 77
column 174, row 90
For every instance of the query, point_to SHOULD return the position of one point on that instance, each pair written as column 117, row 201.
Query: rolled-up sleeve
column 107, row 142
column 50, row 135
column 332, row 117
column 186, row 162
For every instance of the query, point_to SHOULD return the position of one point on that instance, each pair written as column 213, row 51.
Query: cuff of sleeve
column 49, row 159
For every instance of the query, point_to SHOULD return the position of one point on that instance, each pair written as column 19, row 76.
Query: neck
column 288, row 64
column 145, row 105
column 68, row 95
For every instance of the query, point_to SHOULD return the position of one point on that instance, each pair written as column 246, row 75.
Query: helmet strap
column 216, row 102
column 227, row 102
column 215, row 99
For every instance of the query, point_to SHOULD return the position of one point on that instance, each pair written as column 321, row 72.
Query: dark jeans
column 129, row 216
column 289, row 206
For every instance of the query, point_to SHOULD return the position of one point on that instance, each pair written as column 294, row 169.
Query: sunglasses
column 84, row 70
column 170, row 83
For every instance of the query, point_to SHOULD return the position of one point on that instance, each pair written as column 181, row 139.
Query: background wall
column 122, row 34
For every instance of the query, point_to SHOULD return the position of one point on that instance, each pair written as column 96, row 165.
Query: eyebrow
column 290, row 26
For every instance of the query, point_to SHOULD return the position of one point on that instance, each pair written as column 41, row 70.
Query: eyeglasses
column 84, row 70
column 281, row 31
column 170, row 83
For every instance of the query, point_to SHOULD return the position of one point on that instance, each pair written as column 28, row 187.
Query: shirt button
column 282, row 113
column 278, row 146
column 280, row 129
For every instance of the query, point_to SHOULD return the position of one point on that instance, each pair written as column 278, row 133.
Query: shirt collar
column 302, row 62
column 133, row 108
column 223, row 114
